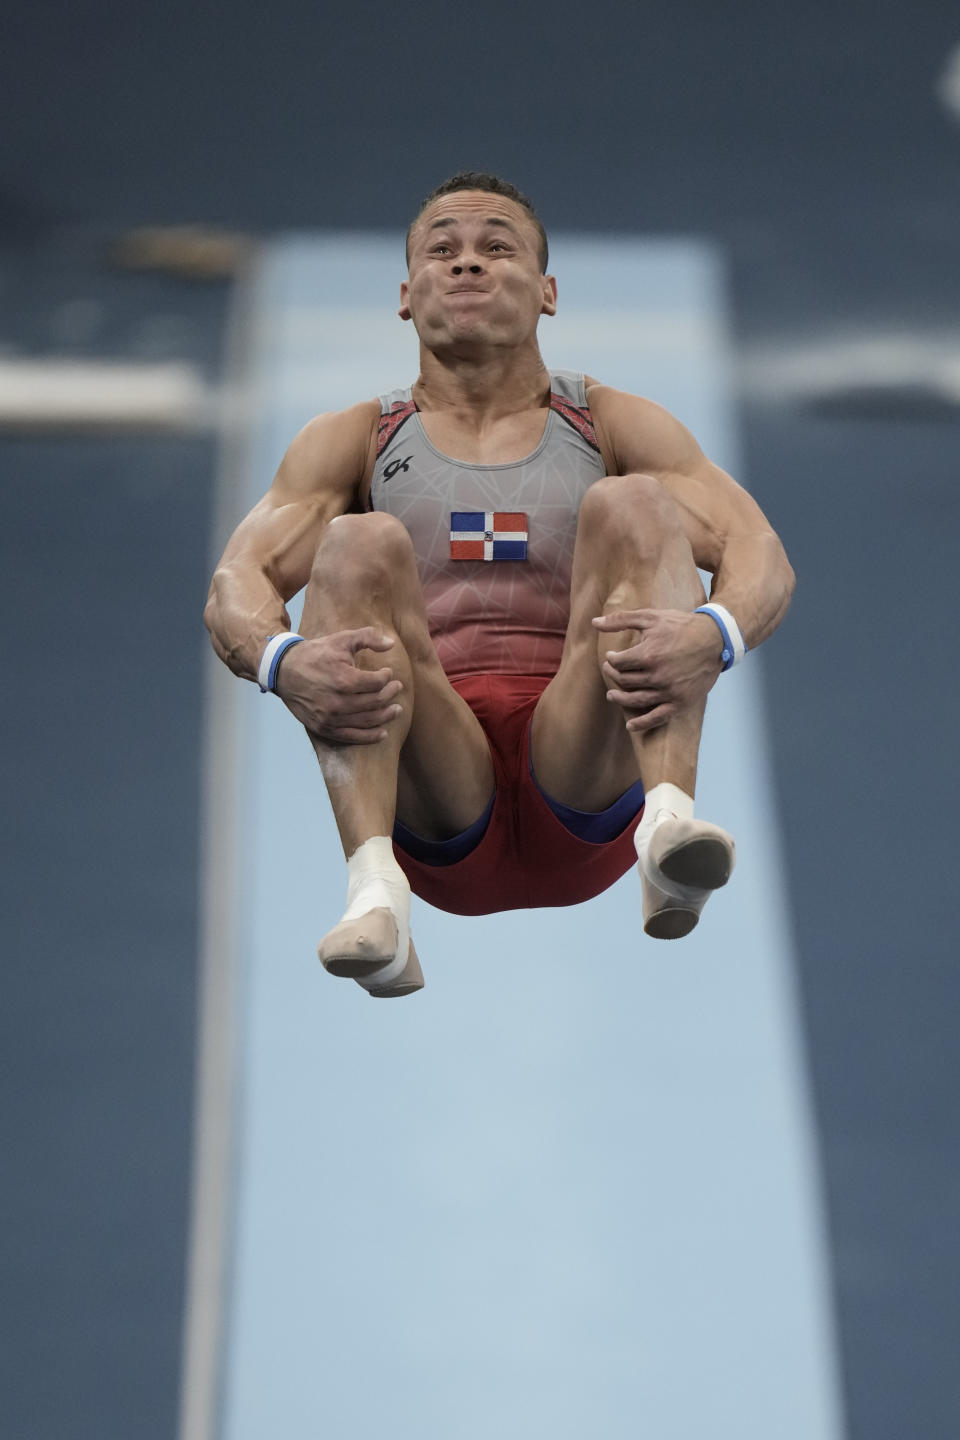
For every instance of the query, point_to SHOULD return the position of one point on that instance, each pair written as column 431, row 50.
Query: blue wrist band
column 276, row 646
column 734, row 647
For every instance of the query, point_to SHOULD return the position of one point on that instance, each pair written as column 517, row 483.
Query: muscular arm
column 728, row 532
column 269, row 555
column 678, row 655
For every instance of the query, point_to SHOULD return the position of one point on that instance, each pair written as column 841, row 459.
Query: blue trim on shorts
column 443, row 852
column 597, row 827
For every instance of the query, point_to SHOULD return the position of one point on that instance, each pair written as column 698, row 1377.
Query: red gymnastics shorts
column 526, row 857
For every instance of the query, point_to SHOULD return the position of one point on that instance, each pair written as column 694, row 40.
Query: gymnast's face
column 475, row 279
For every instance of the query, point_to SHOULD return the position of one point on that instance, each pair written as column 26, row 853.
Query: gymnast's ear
column 549, row 306
column 404, row 311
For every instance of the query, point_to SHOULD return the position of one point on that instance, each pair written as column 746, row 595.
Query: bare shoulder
column 320, row 477
column 330, row 455
column 638, row 433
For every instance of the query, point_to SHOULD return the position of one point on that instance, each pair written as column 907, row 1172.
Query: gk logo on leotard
column 395, row 466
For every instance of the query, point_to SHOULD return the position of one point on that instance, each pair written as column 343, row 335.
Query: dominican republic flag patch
column 488, row 535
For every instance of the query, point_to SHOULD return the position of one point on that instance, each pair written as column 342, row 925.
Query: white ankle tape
column 665, row 799
column 374, row 879
column 665, row 802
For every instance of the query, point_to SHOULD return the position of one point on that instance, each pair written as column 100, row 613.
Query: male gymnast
column 505, row 651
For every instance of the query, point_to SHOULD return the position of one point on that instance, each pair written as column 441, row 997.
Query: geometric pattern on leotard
column 493, row 616
column 577, row 416
column 391, row 422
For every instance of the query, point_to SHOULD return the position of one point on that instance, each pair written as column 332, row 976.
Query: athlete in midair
column 504, row 645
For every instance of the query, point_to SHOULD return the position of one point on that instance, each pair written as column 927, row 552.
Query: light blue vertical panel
column 570, row 1189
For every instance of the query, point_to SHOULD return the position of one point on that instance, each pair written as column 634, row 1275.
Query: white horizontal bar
column 89, row 394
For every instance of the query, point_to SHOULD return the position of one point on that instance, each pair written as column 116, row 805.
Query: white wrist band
column 270, row 659
column 734, row 646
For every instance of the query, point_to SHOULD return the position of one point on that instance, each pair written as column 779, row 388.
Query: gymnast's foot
column 367, row 950
column 372, row 944
column 681, row 862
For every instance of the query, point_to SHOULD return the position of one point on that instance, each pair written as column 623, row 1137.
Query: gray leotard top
column 503, row 615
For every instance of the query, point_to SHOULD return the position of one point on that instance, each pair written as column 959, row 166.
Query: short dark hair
column 483, row 180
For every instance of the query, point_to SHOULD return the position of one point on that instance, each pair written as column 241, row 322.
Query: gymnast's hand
column 672, row 665
column 321, row 683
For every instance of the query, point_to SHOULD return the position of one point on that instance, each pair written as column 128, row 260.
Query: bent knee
column 370, row 542
column 617, row 499
column 632, row 508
